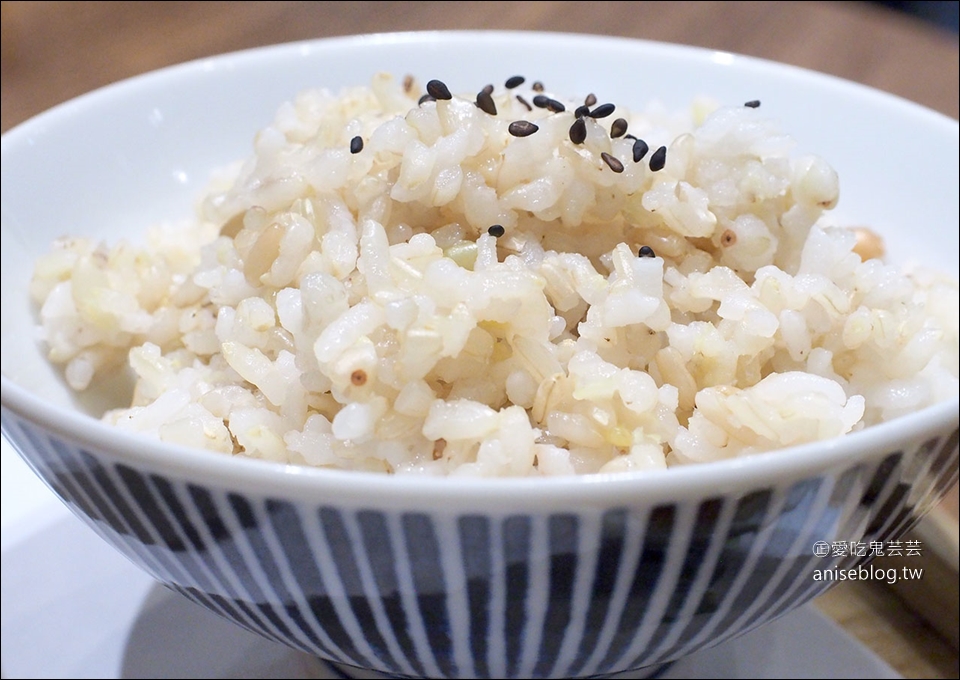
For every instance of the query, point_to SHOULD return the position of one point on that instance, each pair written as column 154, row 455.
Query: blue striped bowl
column 435, row 577
column 501, row 579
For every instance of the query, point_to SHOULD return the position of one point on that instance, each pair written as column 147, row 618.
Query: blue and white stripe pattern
column 423, row 593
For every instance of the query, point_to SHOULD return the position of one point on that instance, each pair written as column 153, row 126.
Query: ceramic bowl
column 567, row 577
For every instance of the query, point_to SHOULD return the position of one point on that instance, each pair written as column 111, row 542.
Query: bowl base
column 347, row 672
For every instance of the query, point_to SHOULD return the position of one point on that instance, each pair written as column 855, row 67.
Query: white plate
column 75, row 608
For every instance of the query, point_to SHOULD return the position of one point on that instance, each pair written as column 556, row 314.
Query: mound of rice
column 418, row 285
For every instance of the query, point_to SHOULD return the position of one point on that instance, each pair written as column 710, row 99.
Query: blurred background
column 942, row 13
column 54, row 51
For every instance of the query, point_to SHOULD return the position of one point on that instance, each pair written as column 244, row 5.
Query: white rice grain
column 456, row 300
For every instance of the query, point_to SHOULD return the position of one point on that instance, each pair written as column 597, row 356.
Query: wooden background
column 53, row 51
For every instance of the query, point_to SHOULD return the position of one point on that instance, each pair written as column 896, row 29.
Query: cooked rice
column 342, row 301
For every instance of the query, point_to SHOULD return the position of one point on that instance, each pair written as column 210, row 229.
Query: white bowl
column 433, row 577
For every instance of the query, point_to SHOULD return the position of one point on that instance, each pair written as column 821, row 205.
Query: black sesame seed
column 522, row 128
column 426, row 98
column 438, row 90
column 646, row 251
column 629, row 136
column 618, row 128
column 602, row 111
column 640, row 149
column 537, row 86
column 525, row 103
column 578, row 131
column 496, row 230
column 488, row 89
column 612, row 162
column 485, row 102
column 356, row 144
column 658, row 159
column 514, row 81
column 590, row 100
column 544, row 102
column 752, row 104
column 582, row 111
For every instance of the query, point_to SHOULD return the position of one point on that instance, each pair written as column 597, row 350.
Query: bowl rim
column 720, row 477
column 306, row 46
column 266, row 477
